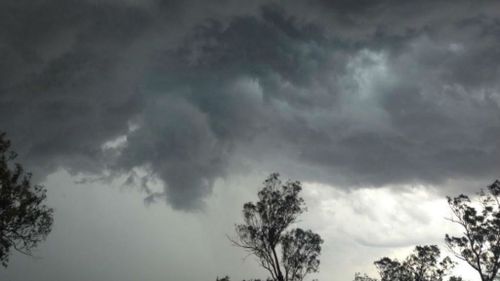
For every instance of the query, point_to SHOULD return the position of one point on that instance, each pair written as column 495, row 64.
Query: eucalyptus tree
column 286, row 254
column 479, row 243
column 25, row 220
column 424, row 264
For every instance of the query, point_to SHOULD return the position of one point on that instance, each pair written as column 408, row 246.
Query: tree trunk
column 279, row 275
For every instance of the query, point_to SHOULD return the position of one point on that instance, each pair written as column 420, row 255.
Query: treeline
column 291, row 254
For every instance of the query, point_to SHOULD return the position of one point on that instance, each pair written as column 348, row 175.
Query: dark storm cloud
column 364, row 93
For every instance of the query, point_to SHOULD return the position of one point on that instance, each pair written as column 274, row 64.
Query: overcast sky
column 151, row 122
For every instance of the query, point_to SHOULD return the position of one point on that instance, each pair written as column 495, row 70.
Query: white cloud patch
column 366, row 224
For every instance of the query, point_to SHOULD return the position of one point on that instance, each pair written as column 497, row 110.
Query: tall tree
column 422, row 265
column 479, row 244
column 265, row 233
column 24, row 219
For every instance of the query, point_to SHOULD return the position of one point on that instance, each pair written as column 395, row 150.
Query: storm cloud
column 369, row 93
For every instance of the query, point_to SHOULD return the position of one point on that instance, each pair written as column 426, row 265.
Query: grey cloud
column 175, row 141
column 389, row 92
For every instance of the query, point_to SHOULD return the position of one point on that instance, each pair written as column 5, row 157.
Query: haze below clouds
column 174, row 99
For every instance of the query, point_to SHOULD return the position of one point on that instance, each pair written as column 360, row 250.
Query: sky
column 152, row 122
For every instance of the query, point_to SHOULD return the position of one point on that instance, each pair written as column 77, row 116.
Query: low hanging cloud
column 343, row 93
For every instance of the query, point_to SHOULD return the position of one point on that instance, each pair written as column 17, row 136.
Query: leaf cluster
column 24, row 219
column 264, row 231
column 422, row 265
column 479, row 244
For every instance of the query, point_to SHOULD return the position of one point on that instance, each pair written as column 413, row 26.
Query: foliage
column 264, row 232
column 422, row 265
column 364, row 277
column 226, row 278
column 24, row 220
column 300, row 253
column 479, row 244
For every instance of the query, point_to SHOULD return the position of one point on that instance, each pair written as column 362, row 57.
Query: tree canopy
column 422, row 265
column 479, row 244
column 265, row 232
column 25, row 220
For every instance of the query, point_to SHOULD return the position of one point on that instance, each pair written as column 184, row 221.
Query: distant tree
column 265, row 232
column 392, row 270
column 226, row 278
column 479, row 244
column 455, row 278
column 364, row 277
column 422, row 265
column 24, row 219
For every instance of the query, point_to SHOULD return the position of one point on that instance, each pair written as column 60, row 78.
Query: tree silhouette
column 422, row 265
column 364, row 277
column 226, row 278
column 24, row 219
column 265, row 233
column 479, row 244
